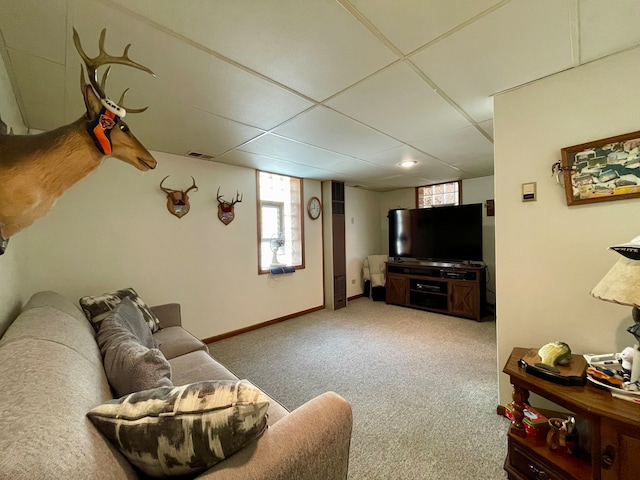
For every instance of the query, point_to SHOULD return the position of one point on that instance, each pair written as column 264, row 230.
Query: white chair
column 373, row 272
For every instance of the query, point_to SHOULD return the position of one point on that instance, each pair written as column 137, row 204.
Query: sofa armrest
column 168, row 314
column 311, row 443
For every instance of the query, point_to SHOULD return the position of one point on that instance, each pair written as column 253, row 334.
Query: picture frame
column 602, row 170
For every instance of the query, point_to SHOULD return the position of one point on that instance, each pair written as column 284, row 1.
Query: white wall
column 362, row 232
column 549, row 255
column 112, row 230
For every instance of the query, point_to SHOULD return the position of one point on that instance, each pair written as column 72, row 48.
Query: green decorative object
column 552, row 354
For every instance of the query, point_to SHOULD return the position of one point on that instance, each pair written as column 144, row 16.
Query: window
column 438, row 195
column 280, row 221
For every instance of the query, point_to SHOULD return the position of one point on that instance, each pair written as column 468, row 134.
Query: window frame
column 418, row 196
column 301, row 219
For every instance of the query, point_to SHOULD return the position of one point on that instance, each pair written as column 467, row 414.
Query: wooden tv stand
column 453, row 289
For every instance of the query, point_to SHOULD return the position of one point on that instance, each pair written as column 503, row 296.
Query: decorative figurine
column 562, row 435
column 626, row 362
column 552, row 354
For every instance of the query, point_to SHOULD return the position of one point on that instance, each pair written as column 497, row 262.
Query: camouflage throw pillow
column 96, row 308
column 183, row 430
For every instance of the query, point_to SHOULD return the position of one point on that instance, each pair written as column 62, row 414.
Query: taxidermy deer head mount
column 36, row 169
column 178, row 200
column 226, row 212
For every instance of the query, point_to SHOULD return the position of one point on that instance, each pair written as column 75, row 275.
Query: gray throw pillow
column 183, row 430
column 129, row 365
column 96, row 308
column 128, row 315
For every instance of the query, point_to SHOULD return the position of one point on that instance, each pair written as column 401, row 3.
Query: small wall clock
column 314, row 207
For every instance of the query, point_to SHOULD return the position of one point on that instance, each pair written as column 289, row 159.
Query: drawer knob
column 539, row 474
column 608, row 457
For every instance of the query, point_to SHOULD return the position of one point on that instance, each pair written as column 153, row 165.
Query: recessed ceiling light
column 408, row 163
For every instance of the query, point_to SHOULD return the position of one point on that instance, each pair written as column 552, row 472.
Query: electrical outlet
column 353, row 281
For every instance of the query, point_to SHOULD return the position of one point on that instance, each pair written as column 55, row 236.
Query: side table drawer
column 527, row 465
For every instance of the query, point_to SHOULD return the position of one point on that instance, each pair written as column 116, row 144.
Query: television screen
column 437, row 234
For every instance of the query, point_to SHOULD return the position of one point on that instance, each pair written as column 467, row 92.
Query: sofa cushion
column 97, row 307
column 183, row 430
column 176, row 341
column 129, row 365
column 200, row 366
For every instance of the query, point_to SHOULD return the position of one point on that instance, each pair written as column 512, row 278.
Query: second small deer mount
column 226, row 212
column 178, row 200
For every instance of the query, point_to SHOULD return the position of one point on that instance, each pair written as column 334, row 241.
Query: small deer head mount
column 178, row 200
column 226, row 212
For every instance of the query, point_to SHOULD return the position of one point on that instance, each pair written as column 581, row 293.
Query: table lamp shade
column 621, row 284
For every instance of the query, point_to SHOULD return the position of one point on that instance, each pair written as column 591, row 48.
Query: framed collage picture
column 603, row 170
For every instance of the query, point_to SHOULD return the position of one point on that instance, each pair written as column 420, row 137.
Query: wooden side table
column 612, row 451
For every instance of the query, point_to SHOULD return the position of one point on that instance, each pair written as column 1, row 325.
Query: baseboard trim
column 261, row 325
column 354, row 297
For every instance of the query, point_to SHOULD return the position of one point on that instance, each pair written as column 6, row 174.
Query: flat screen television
column 438, row 234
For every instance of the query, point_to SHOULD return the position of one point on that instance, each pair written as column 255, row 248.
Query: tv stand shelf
column 453, row 289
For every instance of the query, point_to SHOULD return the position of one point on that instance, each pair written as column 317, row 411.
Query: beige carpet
column 423, row 386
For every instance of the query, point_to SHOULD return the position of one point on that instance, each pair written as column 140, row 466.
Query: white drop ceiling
column 323, row 89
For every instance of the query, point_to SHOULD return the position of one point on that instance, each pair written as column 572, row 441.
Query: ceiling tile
column 361, row 169
column 300, row 153
column 409, row 24
column 258, row 162
column 403, row 181
column 605, row 30
column 489, row 56
column 21, row 18
column 392, row 157
column 476, row 168
column 328, row 129
column 187, row 74
column 44, row 106
column 316, row 48
column 396, row 101
column 427, row 167
column 200, row 131
column 435, row 172
column 461, row 145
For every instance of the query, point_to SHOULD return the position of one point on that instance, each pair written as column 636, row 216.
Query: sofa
column 52, row 375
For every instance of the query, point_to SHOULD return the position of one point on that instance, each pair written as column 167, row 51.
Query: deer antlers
column 169, row 190
column 238, row 198
column 104, row 58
